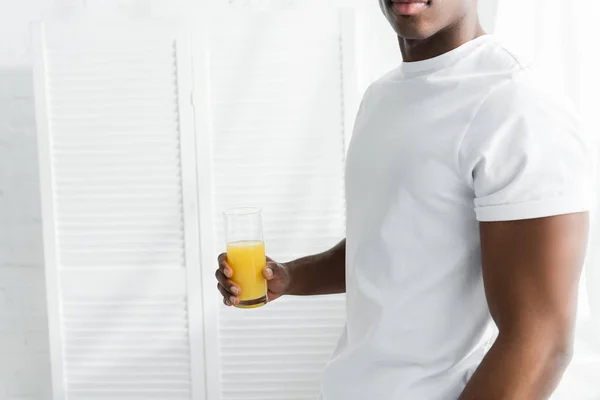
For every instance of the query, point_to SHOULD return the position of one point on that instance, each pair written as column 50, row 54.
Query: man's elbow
column 560, row 350
column 547, row 344
column 554, row 345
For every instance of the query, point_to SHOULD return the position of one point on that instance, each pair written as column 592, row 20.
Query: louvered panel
column 119, row 231
column 278, row 352
column 278, row 113
column 126, row 349
column 121, row 90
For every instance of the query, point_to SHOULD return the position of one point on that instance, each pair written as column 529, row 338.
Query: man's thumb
column 272, row 270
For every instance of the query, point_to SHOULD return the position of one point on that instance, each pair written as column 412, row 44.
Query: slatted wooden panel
column 127, row 348
column 118, row 206
column 279, row 143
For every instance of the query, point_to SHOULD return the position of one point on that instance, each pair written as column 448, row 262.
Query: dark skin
column 531, row 268
column 531, row 272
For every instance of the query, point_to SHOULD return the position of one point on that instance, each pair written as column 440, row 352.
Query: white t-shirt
column 438, row 146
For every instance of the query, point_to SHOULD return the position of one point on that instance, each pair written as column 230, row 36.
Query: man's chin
column 409, row 29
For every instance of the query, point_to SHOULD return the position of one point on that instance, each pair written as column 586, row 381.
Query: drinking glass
column 246, row 254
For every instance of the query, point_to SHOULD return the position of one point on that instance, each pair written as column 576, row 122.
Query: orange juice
column 247, row 258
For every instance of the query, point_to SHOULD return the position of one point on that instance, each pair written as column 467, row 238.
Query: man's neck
column 442, row 42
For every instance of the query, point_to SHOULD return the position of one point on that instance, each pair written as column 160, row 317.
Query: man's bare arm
column 323, row 273
column 531, row 272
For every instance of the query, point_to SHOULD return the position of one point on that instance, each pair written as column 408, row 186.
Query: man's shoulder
column 524, row 92
column 492, row 76
column 527, row 109
column 495, row 58
column 508, row 83
column 488, row 64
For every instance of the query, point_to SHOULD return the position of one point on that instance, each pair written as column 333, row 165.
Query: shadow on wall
column 24, row 354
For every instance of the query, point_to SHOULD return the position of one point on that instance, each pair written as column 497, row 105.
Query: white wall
column 24, row 368
column 488, row 9
column 24, row 359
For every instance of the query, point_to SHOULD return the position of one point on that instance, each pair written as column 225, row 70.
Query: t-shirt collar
column 445, row 59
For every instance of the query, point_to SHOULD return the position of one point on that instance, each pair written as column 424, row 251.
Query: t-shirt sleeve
column 525, row 156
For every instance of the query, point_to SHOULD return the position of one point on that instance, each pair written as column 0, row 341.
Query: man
column 459, row 125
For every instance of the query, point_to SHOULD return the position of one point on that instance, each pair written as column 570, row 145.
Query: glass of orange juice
column 246, row 254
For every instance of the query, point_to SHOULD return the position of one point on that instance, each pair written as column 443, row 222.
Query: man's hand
column 276, row 275
column 323, row 273
column 531, row 272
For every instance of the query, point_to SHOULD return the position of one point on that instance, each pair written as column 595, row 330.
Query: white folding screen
column 145, row 138
column 282, row 101
column 120, row 210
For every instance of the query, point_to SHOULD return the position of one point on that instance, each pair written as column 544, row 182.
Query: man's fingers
column 228, row 298
column 224, row 267
column 221, row 277
column 228, row 284
column 228, row 289
column 223, row 292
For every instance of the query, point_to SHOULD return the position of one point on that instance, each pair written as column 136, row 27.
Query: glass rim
column 242, row 211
